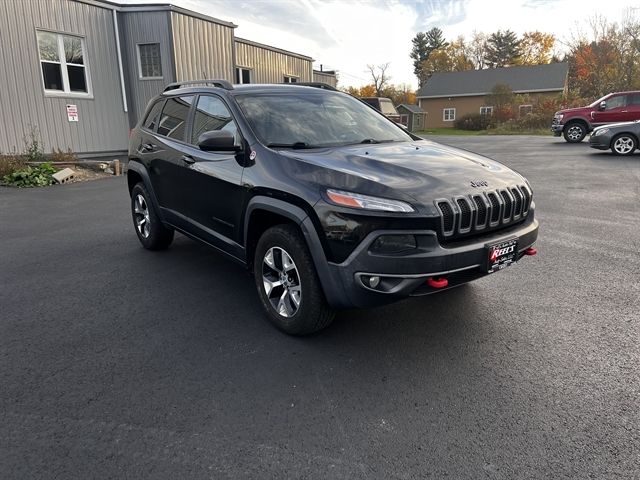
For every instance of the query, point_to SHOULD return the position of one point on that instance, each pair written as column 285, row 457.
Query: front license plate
column 501, row 255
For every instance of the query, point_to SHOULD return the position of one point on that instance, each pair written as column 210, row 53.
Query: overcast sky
column 348, row 35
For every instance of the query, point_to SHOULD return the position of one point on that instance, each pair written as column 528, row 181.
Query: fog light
column 374, row 282
column 391, row 244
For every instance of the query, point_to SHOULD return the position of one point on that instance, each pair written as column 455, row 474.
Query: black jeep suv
column 327, row 201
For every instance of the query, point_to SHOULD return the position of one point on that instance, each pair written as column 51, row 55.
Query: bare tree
column 379, row 77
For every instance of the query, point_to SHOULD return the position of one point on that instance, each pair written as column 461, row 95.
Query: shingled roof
column 532, row 78
column 411, row 108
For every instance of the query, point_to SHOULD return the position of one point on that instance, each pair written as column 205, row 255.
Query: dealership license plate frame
column 503, row 260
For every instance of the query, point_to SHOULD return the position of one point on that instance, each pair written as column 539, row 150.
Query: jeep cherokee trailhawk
column 329, row 203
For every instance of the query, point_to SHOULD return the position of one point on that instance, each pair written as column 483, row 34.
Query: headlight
column 365, row 202
column 600, row 131
column 558, row 116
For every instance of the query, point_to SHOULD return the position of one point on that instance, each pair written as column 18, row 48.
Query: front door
column 615, row 111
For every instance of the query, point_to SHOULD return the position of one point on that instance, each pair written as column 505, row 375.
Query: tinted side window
column 616, row 102
column 211, row 114
column 634, row 99
column 152, row 118
column 173, row 121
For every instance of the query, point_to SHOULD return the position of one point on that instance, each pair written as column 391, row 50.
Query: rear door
column 633, row 106
column 166, row 164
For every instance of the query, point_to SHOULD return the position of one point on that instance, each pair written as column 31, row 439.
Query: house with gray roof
column 450, row 95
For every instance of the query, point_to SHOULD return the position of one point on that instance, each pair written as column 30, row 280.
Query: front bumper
column 557, row 128
column 407, row 275
column 601, row 142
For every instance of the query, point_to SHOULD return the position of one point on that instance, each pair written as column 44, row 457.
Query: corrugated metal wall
column 103, row 122
column 145, row 27
column 202, row 49
column 328, row 78
column 269, row 66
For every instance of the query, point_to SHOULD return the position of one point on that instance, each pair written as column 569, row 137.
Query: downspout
column 120, row 70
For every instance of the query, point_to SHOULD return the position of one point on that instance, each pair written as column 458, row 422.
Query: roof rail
column 215, row 83
column 323, row 86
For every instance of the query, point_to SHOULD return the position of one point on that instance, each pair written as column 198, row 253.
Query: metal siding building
column 127, row 53
column 102, row 124
column 328, row 77
column 270, row 64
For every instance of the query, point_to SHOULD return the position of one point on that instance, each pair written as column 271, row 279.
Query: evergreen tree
column 423, row 44
column 503, row 49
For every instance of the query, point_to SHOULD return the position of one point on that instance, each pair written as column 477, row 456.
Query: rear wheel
column 623, row 144
column 153, row 235
column 575, row 132
column 287, row 282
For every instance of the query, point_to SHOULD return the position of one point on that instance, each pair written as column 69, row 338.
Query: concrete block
column 64, row 175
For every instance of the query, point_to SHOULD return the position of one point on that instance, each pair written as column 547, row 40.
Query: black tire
column 153, row 235
column 574, row 132
column 312, row 313
column 623, row 144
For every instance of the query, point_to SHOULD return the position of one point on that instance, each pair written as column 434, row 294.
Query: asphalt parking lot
column 116, row 362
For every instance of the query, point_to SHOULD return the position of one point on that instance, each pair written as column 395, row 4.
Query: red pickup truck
column 575, row 123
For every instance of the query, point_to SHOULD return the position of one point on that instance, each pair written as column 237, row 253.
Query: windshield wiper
column 295, row 146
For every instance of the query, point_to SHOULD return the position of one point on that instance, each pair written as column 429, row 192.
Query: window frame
column 485, row 107
column 444, row 114
column 140, row 76
column 192, row 119
column 525, row 105
column 64, row 72
column 290, row 77
column 239, row 77
column 188, row 120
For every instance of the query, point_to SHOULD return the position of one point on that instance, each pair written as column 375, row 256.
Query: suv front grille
column 479, row 213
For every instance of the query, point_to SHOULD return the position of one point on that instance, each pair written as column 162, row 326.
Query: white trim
column 285, row 75
column 444, row 115
column 240, row 82
column 62, row 61
column 120, row 69
column 140, row 76
column 525, row 105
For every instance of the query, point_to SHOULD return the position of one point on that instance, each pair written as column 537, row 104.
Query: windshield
column 386, row 107
column 316, row 120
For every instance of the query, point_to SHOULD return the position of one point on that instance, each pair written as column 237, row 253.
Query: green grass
column 493, row 131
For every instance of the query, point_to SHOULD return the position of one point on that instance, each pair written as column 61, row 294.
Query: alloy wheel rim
column 141, row 216
column 575, row 132
column 281, row 282
column 623, row 145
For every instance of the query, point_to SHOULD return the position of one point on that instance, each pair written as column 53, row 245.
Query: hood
column 420, row 170
column 572, row 110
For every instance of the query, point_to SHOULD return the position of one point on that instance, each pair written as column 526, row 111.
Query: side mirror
column 217, row 140
column 603, row 105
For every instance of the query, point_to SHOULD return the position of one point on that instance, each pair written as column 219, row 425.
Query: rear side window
column 152, row 117
column 173, row 120
column 211, row 114
column 634, row 99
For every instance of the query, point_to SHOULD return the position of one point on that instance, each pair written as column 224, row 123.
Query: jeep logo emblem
column 479, row 183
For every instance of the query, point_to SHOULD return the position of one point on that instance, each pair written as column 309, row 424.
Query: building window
column 486, row 111
column 449, row 114
column 525, row 110
column 243, row 75
column 63, row 63
column 290, row 79
column 149, row 61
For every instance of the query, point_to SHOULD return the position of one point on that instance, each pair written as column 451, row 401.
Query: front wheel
column 575, row 132
column 623, row 144
column 287, row 282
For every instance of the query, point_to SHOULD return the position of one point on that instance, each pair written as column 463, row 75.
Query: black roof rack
column 215, row 83
column 323, row 86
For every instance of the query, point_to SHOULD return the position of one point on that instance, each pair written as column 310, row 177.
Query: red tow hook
column 531, row 251
column 437, row 282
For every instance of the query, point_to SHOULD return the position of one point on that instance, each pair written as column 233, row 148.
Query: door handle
column 188, row 159
column 625, row 111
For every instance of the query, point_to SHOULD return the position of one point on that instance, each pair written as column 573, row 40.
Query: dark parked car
column 621, row 138
column 329, row 203
column 575, row 123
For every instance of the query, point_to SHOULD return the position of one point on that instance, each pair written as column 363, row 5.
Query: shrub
column 33, row 149
column 473, row 121
column 58, row 155
column 533, row 121
column 11, row 162
column 28, row 176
